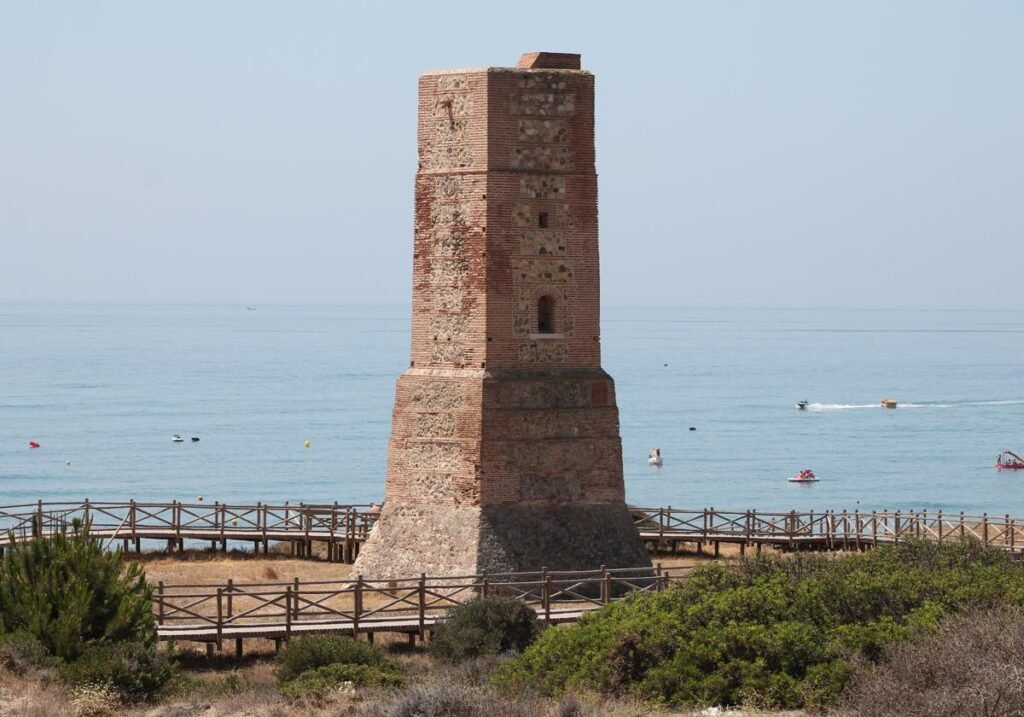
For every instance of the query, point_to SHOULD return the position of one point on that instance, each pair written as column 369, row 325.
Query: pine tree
column 68, row 592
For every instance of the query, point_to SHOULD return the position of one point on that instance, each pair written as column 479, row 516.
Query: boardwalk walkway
column 339, row 530
column 213, row 613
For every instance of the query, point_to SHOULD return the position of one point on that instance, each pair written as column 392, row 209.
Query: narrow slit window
column 542, row 220
column 545, row 315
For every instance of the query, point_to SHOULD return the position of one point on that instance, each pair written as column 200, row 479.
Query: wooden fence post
column 288, row 613
column 940, row 527
column 422, row 595
column 483, row 583
column 546, row 595
column 220, row 618
column 358, row 608
column 231, row 589
column 984, row 529
column 606, row 585
column 160, row 603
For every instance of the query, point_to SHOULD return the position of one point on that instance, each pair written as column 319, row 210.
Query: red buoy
column 33, row 444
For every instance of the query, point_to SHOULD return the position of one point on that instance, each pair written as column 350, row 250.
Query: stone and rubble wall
column 505, row 451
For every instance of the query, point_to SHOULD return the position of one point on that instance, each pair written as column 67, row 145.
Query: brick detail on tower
column 505, row 452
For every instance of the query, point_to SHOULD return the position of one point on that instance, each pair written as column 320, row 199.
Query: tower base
column 413, row 539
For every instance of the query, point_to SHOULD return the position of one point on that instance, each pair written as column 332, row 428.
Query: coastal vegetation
column 772, row 631
column 910, row 629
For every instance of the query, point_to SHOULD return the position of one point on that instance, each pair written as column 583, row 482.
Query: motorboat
column 802, row 405
column 804, row 476
column 887, row 403
column 177, row 439
column 654, row 458
column 1010, row 460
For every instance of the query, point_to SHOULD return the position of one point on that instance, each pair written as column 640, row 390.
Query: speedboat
column 177, row 439
column 887, row 403
column 654, row 458
column 802, row 405
column 804, row 476
column 1010, row 460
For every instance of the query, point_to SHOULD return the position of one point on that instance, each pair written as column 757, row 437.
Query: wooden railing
column 335, row 524
column 213, row 612
column 342, row 528
column 827, row 529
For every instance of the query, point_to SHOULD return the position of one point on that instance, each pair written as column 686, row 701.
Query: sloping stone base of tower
column 410, row 540
column 526, row 538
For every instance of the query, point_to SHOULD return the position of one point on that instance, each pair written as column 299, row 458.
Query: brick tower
column 505, row 452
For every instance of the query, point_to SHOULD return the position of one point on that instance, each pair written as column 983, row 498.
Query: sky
column 750, row 154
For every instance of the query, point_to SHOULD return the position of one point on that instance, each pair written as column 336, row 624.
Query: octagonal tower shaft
column 505, row 450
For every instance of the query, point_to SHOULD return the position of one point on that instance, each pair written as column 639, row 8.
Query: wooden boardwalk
column 337, row 531
column 213, row 613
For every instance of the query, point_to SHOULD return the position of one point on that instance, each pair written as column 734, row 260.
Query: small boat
column 33, row 444
column 195, row 439
column 804, row 476
column 802, row 405
column 654, row 458
column 1009, row 460
column 177, row 439
column 887, row 403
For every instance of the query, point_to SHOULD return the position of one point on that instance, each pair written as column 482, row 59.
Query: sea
column 103, row 388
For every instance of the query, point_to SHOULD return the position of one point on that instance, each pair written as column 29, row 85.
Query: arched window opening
column 546, row 315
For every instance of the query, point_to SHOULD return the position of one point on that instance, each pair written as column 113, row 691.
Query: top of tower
column 548, row 61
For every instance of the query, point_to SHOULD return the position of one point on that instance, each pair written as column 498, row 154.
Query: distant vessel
column 804, row 476
column 177, row 439
column 1009, row 459
column 195, row 439
column 654, row 458
column 888, row 403
column 802, row 405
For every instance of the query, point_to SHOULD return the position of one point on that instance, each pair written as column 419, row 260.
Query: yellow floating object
column 199, row 497
column 888, row 403
column 307, row 444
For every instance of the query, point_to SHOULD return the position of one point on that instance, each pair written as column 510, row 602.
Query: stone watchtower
column 505, row 452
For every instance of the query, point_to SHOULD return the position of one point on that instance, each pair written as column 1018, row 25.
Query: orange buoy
column 33, row 444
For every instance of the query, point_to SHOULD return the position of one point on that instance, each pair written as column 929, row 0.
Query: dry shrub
column 94, row 700
column 973, row 665
column 269, row 573
column 447, row 699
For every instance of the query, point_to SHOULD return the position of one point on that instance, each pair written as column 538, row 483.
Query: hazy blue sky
column 750, row 153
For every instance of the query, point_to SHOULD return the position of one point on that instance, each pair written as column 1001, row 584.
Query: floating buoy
column 693, row 428
column 67, row 463
column 199, row 497
column 195, row 439
column 33, row 444
column 306, row 444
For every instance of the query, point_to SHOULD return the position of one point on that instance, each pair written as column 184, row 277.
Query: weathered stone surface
column 505, row 452
column 559, row 537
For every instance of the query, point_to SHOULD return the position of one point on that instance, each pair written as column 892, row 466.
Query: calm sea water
column 105, row 387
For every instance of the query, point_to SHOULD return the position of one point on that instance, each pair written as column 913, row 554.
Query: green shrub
column 777, row 631
column 488, row 626
column 20, row 652
column 335, row 678
column 135, row 670
column 67, row 592
column 312, row 651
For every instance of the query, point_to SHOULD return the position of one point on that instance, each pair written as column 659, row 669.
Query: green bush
column 20, row 652
column 312, row 651
column 329, row 679
column 135, row 670
column 68, row 592
column 488, row 626
column 776, row 631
